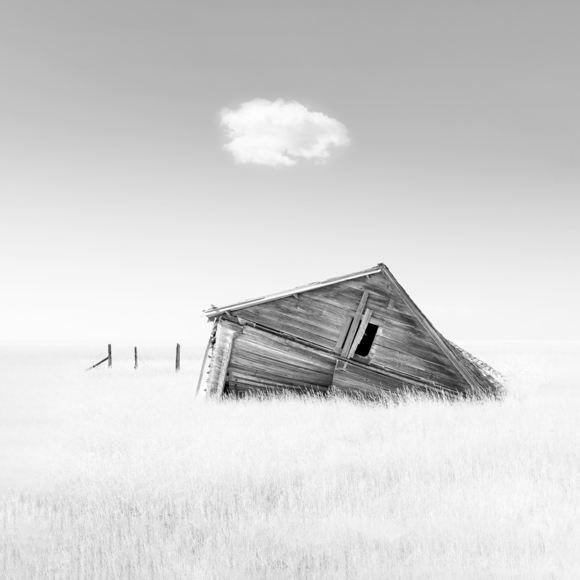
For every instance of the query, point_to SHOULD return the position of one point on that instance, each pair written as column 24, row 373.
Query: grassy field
column 122, row 474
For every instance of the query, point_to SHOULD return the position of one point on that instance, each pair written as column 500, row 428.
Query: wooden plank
column 390, row 339
column 276, row 375
column 272, row 334
column 364, row 380
column 278, row 323
column 408, row 379
column 343, row 333
column 339, row 298
column 240, row 381
column 378, row 293
column 356, row 380
column 242, row 375
column 420, row 375
column 336, row 311
column 315, row 322
column 270, row 366
column 310, row 308
column 355, row 322
column 287, row 353
column 384, row 349
column 385, row 320
column 375, row 283
column 397, row 338
column 360, row 332
column 201, row 371
column 288, row 357
column 99, row 363
column 285, row 358
column 415, row 365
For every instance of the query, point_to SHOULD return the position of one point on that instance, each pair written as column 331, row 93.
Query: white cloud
column 279, row 132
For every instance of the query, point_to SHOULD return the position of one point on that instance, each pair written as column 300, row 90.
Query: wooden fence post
column 136, row 360
column 110, row 357
column 177, row 358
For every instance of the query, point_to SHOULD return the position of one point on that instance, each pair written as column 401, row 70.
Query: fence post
column 177, row 358
column 136, row 360
column 110, row 357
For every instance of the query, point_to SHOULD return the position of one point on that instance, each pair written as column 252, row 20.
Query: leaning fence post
column 136, row 360
column 99, row 363
column 110, row 357
column 177, row 358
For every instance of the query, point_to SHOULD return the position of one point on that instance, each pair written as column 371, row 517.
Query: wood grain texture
column 261, row 359
column 342, row 336
column 299, row 327
column 351, row 379
column 360, row 332
column 355, row 324
column 222, row 350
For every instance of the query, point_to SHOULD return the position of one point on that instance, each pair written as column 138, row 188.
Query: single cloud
column 279, row 132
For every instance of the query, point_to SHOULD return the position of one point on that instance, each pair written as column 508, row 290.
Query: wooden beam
column 355, row 322
column 360, row 333
column 99, row 363
column 342, row 335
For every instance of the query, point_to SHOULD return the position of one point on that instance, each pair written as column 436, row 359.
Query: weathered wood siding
column 352, row 379
column 321, row 316
column 299, row 316
column 261, row 360
column 402, row 343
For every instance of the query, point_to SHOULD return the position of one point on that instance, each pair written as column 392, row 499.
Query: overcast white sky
column 446, row 146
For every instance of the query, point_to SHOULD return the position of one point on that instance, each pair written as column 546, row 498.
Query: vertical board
column 225, row 335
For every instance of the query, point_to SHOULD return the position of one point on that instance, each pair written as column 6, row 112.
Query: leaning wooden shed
column 358, row 334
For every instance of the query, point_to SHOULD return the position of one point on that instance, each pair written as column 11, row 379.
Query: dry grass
column 133, row 479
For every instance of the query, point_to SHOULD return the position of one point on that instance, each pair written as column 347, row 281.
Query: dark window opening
column 364, row 346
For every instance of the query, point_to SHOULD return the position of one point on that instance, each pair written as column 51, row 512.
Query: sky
column 446, row 146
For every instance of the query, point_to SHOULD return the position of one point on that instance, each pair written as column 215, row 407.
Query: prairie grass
column 130, row 478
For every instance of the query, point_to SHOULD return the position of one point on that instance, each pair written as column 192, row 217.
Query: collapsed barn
column 357, row 334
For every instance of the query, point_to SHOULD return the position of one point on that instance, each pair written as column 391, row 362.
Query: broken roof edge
column 217, row 310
